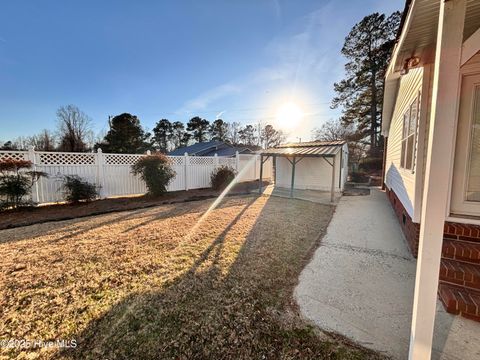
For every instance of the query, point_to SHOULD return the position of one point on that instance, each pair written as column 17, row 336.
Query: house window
column 409, row 134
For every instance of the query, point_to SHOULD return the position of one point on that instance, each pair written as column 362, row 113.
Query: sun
column 289, row 115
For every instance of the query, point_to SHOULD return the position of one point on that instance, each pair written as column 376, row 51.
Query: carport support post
column 444, row 112
column 332, row 190
column 293, row 177
column 261, row 175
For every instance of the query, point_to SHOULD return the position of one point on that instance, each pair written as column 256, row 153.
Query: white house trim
column 470, row 46
column 438, row 163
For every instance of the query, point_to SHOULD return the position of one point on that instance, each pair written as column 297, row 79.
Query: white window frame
column 407, row 134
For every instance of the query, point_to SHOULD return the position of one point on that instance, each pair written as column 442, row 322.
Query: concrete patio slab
column 317, row 196
column 360, row 284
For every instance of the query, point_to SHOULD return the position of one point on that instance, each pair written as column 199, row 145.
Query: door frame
column 458, row 208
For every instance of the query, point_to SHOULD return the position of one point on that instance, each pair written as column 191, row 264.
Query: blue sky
column 237, row 59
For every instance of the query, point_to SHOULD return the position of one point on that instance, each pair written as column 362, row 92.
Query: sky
column 239, row 60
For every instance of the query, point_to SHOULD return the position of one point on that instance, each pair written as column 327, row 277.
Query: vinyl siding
column 402, row 181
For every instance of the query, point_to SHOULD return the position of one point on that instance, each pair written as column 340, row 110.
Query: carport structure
column 328, row 151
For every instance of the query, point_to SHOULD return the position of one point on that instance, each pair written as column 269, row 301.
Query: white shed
column 314, row 165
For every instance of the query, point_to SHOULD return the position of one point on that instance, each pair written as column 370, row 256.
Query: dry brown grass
column 141, row 284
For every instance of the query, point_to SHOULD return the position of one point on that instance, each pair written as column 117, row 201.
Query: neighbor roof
column 310, row 148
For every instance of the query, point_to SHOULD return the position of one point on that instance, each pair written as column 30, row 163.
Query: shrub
column 77, row 189
column 156, row 171
column 221, row 177
column 16, row 183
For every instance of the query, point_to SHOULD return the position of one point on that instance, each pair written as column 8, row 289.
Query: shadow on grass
column 234, row 301
column 71, row 228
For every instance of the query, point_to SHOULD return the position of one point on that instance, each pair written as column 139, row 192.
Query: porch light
column 409, row 64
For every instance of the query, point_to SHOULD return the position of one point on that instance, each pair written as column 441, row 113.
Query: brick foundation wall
column 465, row 232
column 410, row 229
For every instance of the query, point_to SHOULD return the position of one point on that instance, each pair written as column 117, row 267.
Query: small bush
column 221, row 177
column 77, row 189
column 16, row 183
column 156, row 171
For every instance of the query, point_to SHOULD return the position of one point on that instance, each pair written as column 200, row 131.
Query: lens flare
column 218, row 200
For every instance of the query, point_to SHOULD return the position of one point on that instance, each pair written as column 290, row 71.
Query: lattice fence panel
column 201, row 160
column 58, row 158
column 13, row 155
column 121, row 159
column 177, row 160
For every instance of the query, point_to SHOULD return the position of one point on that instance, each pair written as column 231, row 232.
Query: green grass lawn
column 150, row 284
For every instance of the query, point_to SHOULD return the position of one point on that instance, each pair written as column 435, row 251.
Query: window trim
column 407, row 134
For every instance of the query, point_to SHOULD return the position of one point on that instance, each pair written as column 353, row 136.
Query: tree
column 162, row 133
column 218, row 130
column 44, row 141
column 126, row 136
column 177, row 136
column 335, row 130
column 233, row 133
column 248, row 135
column 185, row 140
column 368, row 48
column 199, row 128
column 271, row 137
column 73, row 129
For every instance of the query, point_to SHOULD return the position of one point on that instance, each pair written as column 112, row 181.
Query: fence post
column 237, row 161
column 255, row 168
column 100, row 172
column 32, row 157
column 215, row 160
column 185, row 173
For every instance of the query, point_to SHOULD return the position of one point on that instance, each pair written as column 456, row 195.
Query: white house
column 431, row 119
column 314, row 165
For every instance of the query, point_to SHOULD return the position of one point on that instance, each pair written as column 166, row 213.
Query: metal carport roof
column 311, row 148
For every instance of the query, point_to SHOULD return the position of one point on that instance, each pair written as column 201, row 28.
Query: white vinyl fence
column 112, row 172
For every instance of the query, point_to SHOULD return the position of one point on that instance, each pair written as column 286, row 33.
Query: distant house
column 431, row 122
column 210, row 148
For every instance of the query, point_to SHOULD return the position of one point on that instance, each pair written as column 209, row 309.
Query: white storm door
column 466, row 175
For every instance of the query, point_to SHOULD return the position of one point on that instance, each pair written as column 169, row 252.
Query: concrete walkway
column 360, row 284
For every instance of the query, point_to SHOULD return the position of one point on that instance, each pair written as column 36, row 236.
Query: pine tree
column 218, row 130
column 199, row 128
column 368, row 49
column 126, row 136
column 162, row 133
column 177, row 137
